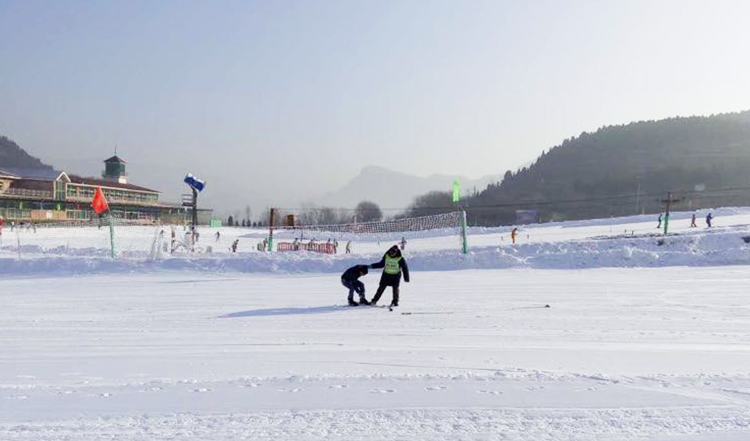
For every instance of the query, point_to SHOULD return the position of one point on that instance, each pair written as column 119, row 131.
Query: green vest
column 391, row 265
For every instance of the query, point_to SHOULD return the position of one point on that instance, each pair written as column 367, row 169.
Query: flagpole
column 100, row 206
column 196, row 185
column 195, row 217
column 464, row 236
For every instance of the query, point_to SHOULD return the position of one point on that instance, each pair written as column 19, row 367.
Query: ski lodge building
column 46, row 195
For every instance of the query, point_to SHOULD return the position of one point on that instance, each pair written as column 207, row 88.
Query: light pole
column 196, row 185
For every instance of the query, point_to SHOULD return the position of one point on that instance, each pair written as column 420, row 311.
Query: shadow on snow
column 286, row 311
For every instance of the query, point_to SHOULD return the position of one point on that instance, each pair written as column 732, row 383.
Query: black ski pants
column 381, row 290
column 354, row 286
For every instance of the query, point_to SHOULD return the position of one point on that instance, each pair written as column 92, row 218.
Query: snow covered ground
column 640, row 341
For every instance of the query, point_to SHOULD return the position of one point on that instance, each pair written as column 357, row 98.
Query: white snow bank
column 720, row 246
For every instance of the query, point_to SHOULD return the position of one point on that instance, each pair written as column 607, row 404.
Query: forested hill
column 13, row 156
column 620, row 170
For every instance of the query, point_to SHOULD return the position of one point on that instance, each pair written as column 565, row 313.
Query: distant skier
column 348, row 247
column 708, row 219
column 393, row 263
column 350, row 279
column 659, row 226
column 513, row 235
column 218, row 235
column 692, row 221
column 234, row 245
column 403, row 243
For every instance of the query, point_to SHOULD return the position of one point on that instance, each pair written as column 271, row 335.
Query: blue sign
column 194, row 182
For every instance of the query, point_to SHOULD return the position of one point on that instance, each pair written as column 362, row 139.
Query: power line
column 711, row 194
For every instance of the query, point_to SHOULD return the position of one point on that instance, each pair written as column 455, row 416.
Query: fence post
column 464, row 238
column 18, row 239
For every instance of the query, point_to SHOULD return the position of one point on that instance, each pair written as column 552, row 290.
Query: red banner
column 323, row 248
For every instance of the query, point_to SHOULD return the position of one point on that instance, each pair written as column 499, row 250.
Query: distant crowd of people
column 28, row 226
column 191, row 238
column 709, row 218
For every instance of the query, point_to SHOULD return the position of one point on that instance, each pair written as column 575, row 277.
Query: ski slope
column 640, row 341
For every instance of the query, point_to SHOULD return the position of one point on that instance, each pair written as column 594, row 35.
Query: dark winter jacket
column 354, row 273
column 392, row 279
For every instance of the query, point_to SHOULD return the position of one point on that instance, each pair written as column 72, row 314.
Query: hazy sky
column 282, row 100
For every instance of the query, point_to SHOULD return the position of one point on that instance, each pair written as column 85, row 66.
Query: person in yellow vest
column 393, row 264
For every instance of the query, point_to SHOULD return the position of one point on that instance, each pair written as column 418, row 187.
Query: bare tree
column 312, row 214
column 308, row 215
column 434, row 202
column 367, row 211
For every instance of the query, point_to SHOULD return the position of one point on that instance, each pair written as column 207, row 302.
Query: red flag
column 100, row 202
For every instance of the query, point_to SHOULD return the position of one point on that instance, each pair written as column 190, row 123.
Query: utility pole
column 637, row 197
column 669, row 202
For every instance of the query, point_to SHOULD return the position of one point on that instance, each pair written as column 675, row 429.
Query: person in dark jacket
column 350, row 279
column 393, row 263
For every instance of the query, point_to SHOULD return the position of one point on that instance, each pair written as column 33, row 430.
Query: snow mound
column 725, row 246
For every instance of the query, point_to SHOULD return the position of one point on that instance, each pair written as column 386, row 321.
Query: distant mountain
column 13, row 156
column 620, row 170
column 394, row 190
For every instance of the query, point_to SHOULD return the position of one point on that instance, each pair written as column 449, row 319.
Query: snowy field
column 644, row 338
